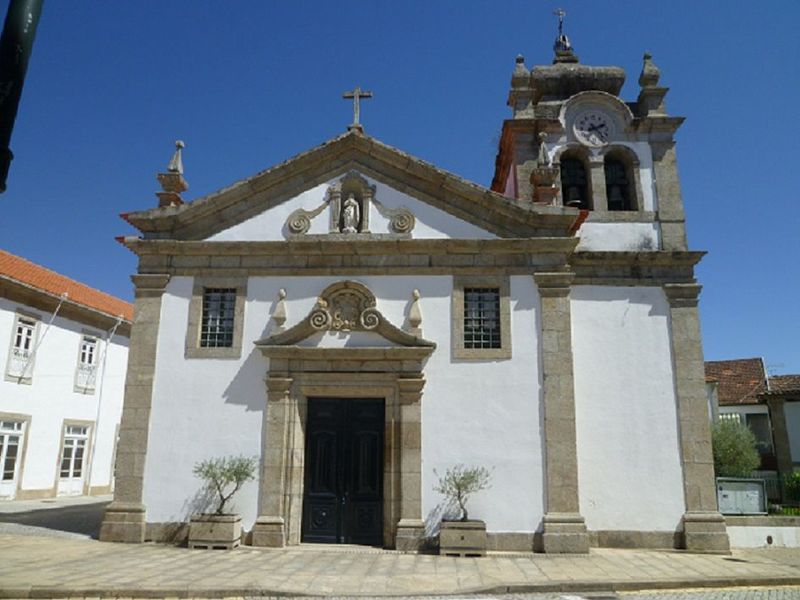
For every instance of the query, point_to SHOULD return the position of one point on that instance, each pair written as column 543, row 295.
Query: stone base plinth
column 705, row 532
column 269, row 532
column 564, row 533
column 215, row 532
column 410, row 535
column 462, row 538
column 123, row 522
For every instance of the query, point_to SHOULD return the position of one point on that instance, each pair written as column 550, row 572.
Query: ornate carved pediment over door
column 393, row 372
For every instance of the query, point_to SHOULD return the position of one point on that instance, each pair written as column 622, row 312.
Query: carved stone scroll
column 299, row 222
column 401, row 220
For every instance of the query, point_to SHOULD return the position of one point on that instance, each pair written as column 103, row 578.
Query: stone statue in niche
column 351, row 215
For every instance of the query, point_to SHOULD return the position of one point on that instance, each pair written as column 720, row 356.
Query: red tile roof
column 740, row 381
column 784, row 383
column 25, row 272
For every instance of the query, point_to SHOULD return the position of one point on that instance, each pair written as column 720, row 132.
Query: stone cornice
column 364, row 246
column 473, row 203
column 634, row 268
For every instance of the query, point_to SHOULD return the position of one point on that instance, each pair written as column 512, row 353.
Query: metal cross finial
column 356, row 95
column 560, row 13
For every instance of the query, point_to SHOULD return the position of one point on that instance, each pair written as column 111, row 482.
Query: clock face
column 593, row 128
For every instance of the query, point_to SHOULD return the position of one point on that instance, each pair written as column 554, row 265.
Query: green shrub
column 734, row 446
column 460, row 482
column 222, row 473
column 791, row 484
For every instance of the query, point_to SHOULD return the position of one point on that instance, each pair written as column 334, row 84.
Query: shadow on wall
column 247, row 387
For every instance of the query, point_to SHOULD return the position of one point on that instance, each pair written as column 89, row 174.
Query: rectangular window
column 10, row 438
column 216, row 329
column 86, row 374
column 482, row 318
column 74, row 447
column 23, row 342
column 759, row 425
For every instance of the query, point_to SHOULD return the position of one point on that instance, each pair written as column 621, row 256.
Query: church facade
column 361, row 320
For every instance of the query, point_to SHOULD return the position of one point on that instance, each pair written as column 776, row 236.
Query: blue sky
column 111, row 85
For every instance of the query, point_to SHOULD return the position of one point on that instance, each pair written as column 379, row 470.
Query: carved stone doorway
column 297, row 372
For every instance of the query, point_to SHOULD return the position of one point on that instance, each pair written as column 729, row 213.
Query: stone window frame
column 193, row 348
column 502, row 282
column 28, row 378
column 88, row 333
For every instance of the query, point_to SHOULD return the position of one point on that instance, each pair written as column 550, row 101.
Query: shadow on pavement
column 84, row 519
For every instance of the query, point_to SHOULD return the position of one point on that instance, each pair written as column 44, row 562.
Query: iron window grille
column 482, row 318
column 216, row 329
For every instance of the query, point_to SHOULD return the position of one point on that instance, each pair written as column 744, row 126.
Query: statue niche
column 350, row 221
column 350, row 199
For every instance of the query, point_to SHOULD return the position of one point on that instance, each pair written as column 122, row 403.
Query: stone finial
column 650, row 73
column 176, row 164
column 279, row 314
column 543, row 159
column 172, row 182
column 520, row 78
column 415, row 315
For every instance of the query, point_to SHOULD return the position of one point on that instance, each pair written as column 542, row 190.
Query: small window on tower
column 574, row 183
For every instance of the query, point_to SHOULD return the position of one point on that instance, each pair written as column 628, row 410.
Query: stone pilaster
column 410, row 527
column 670, row 201
column 704, row 527
column 780, row 435
column 597, row 175
column 270, row 526
column 124, row 519
column 564, row 529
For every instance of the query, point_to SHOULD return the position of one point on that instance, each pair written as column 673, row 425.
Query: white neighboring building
column 62, row 385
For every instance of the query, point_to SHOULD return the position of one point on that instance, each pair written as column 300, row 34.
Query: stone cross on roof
column 356, row 95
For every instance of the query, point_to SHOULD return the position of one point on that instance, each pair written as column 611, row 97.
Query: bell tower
column 573, row 142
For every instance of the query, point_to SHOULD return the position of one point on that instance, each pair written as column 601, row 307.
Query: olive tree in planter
column 223, row 477
column 462, row 537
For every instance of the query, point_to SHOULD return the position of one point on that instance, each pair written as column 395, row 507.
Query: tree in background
column 734, row 447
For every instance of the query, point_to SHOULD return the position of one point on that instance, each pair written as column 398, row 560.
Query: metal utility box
column 741, row 496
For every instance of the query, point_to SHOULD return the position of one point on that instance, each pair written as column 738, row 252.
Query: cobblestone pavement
column 54, row 567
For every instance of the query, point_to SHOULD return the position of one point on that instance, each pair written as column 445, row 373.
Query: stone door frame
column 298, row 373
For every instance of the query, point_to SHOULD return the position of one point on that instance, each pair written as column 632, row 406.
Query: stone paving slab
column 39, row 567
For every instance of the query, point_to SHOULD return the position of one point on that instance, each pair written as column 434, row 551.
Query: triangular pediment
column 478, row 207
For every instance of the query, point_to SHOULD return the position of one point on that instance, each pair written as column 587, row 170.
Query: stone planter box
column 215, row 532
column 462, row 538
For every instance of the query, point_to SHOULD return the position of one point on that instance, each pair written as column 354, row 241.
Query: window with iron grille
column 216, row 328
column 87, row 364
column 482, row 318
column 23, row 343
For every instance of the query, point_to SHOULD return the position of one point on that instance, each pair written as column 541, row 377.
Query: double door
column 343, row 492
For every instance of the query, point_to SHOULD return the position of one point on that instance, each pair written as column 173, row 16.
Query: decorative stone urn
column 462, row 538
column 215, row 532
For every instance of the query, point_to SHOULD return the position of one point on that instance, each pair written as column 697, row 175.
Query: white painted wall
column 50, row 398
column 756, row 537
column 480, row 413
column 630, row 476
column 430, row 222
column 620, row 236
column 791, row 411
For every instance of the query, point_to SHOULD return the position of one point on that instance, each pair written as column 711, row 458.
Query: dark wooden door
column 343, row 495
